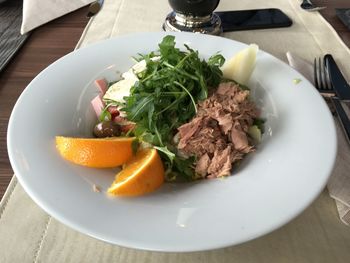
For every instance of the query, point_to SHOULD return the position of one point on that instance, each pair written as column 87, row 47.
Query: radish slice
column 101, row 84
column 98, row 105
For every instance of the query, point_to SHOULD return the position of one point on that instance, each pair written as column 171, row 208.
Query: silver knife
column 340, row 85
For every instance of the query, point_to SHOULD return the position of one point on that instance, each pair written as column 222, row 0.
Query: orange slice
column 142, row 174
column 95, row 152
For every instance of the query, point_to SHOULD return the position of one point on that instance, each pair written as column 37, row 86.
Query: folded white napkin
column 39, row 12
column 339, row 182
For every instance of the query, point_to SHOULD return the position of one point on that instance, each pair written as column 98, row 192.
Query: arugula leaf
column 167, row 48
column 216, row 59
column 171, row 156
column 105, row 115
column 143, row 105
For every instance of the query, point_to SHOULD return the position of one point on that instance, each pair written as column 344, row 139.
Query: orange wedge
column 95, row 152
column 142, row 174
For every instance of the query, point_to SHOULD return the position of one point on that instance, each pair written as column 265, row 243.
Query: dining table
column 55, row 39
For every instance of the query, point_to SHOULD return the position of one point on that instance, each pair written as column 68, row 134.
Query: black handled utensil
column 324, row 85
column 308, row 6
column 340, row 85
column 94, row 8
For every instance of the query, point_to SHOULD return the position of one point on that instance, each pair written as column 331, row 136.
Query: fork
column 308, row 6
column 324, row 86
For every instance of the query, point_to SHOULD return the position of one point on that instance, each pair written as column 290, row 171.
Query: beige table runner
column 28, row 234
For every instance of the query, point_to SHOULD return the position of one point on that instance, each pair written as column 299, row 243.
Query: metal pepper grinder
column 193, row 16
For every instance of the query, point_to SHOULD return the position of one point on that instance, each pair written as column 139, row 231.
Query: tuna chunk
column 239, row 137
column 225, row 122
column 187, row 130
column 206, row 139
column 217, row 136
column 220, row 164
column 202, row 165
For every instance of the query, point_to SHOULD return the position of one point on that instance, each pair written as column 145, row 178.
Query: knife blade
column 339, row 83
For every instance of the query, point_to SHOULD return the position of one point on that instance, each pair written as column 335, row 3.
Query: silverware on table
column 323, row 82
column 94, row 8
column 340, row 85
column 308, row 6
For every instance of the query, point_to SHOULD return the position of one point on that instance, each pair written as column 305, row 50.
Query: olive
column 107, row 129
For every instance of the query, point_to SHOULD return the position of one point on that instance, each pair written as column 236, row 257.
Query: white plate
column 271, row 187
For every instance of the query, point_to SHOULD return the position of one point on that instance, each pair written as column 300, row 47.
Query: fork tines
column 321, row 77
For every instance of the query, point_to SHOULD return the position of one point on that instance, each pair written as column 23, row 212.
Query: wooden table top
column 59, row 37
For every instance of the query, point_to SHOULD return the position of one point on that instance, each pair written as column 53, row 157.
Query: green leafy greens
column 165, row 97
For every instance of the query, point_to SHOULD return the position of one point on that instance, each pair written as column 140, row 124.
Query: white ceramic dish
column 271, row 187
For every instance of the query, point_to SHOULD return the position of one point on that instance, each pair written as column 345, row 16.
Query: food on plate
column 96, row 152
column 142, row 174
column 107, row 129
column 218, row 134
column 240, row 66
column 192, row 118
column 96, row 188
column 255, row 131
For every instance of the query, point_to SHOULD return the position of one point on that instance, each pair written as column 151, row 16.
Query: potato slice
column 240, row 67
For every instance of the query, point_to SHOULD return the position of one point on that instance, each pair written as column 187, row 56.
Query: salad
column 168, row 92
column 196, row 114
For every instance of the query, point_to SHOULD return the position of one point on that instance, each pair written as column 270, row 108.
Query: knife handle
column 336, row 78
column 343, row 117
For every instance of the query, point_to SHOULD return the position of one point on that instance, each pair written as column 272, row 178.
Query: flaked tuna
column 202, row 165
column 217, row 136
column 220, row 164
column 188, row 130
